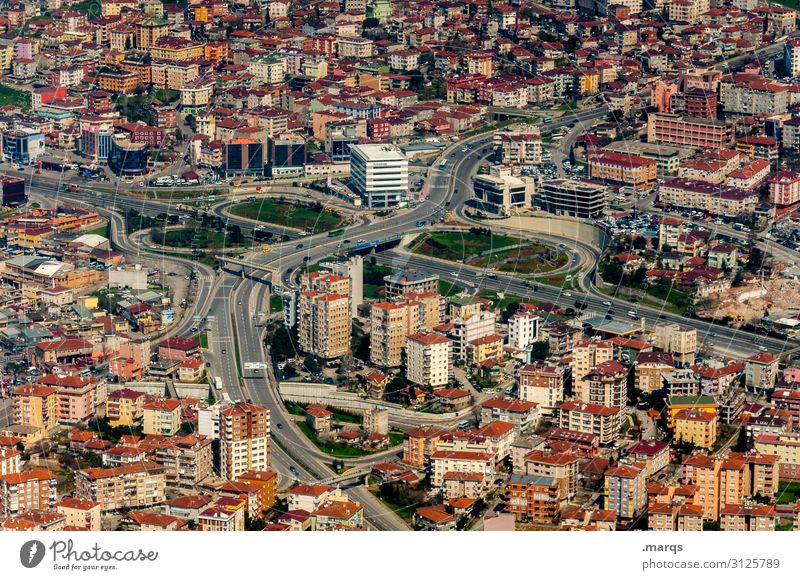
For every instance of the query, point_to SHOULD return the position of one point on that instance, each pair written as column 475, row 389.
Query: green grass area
column 793, row 4
column 275, row 303
column 669, row 295
column 104, row 231
column 395, row 438
column 404, row 511
column 456, row 246
column 294, row 408
column 449, row 288
column 9, row 96
column 289, row 214
column 528, row 260
column 785, row 525
column 560, row 280
column 335, row 449
column 503, row 302
column 203, row 338
column 91, row 7
column 171, row 194
column 346, row 416
column 203, row 239
column 372, row 291
column 786, row 488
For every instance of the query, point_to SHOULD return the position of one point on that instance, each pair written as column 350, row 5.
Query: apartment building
column 32, row 489
column 696, row 427
column 586, row 355
column 391, row 324
column 698, row 132
column 523, row 331
column 533, row 498
column 650, row 368
column 244, row 439
column 133, row 485
column 9, row 460
column 703, row 472
column 589, row 418
column 161, row 417
column 419, row 443
column 187, row 460
column 680, row 342
column 784, row 188
column 786, row 447
column 444, row 463
column 324, row 324
column 748, row 518
column 467, row 328
column 562, row 467
column 543, row 384
column 429, row 359
column 760, row 372
column 125, row 407
column 80, row 513
column 623, row 169
column 607, row 384
column 651, row 453
column 36, row 406
column 746, row 94
column 668, row 517
column 524, row 415
column 403, row 282
column 625, row 491
column 522, row 149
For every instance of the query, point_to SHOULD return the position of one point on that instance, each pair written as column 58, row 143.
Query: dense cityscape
column 390, row 265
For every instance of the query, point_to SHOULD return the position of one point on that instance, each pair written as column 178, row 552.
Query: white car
column 454, row 274
column 606, row 303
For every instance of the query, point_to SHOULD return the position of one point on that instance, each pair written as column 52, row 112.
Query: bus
column 334, row 233
column 547, row 120
column 420, row 223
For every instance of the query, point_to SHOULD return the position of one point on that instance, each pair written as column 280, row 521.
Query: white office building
column 352, row 268
column 379, row 174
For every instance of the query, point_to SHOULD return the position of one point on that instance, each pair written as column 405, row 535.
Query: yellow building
column 36, row 406
column 124, row 407
column 696, row 427
column 162, row 417
column 485, row 348
column 588, row 82
column 677, row 404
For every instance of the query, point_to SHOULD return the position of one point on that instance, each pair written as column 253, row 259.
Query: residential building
column 391, row 324
column 161, row 417
column 533, row 498
column 585, row 356
column 625, row 491
column 543, row 384
column 244, row 439
column 429, row 359
column 696, row 427
column 697, row 132
column 524, row 415
column 32, row 489
column 502, row 193
column 137, row 484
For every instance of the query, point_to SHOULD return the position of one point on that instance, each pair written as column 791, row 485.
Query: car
column 224, row 351
column 762, row 348
column 346, row 242
column 240, row 302
column 606, row 303
column 280, row 425
column 294, row 471
column 712, row 334
column 662, row 317
column 300, row 246
column 454, row 274
column 568, row 294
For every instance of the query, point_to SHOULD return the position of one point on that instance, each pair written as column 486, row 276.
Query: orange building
column 624, row 169
column 419, row 444
column 267, row 481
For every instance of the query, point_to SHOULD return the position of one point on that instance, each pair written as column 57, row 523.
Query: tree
column 509, row 311
column 755, row 260
column 311, row 363
column 540, row 350
column 639, row 243
column 371, row 23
